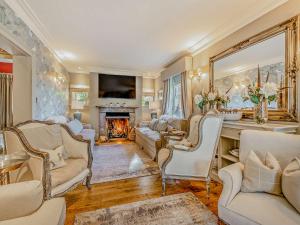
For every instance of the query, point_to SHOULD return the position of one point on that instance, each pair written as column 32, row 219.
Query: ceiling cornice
column 225, row 30
column 24, row 11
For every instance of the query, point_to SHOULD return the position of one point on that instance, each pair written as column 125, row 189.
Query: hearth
column 117, row 124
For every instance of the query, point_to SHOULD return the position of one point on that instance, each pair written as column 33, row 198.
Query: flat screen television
column 116, row 86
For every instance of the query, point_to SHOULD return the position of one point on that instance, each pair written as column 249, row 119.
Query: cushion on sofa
column 56, row 157
column 20, row 199
column 262, row 208
column 72, row 168
column 153, row 123
column 148, row 133
column 291, row 183
column 75, row 126
column 162, row 125
column 43, row 136
column 261, row 177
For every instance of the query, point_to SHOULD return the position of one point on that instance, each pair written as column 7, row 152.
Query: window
column 174, row 105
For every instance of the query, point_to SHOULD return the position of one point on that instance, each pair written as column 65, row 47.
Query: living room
column 149, row 112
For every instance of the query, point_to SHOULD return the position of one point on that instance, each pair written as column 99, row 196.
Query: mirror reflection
column 233, row 73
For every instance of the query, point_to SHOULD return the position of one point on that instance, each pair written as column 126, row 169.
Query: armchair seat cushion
column 262, row 208
column 163, row 155
column 72, row 168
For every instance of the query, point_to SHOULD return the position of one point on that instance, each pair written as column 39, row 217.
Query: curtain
column 165, row 96
column 186, row 96
column 6, row 115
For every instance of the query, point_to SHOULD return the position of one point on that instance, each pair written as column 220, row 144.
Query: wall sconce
column 197, row 74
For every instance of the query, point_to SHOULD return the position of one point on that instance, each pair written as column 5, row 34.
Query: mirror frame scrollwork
column 290, row 28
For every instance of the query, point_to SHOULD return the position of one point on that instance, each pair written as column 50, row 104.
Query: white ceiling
column 264, row 53
column 137, row 36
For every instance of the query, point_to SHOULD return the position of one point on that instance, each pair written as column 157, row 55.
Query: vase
column 260, row 114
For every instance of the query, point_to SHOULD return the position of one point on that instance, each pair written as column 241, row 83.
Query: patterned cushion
column 153, row 124
column 56, row 157
column 162, row 125
column 75, row 126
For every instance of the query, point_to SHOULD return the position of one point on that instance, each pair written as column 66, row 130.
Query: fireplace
column 117, row 124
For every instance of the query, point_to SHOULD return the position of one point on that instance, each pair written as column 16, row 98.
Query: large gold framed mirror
column 275, row 51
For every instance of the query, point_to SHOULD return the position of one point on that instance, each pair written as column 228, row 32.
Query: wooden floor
column 132, row 190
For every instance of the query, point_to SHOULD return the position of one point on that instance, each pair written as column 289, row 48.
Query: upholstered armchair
column 22, row 203
column 240, row 208
column 33, row 137
column 183, row 162
column 192, row 134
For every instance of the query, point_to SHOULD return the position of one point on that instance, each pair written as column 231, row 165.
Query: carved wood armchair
column 182, row 162
column 33, row 137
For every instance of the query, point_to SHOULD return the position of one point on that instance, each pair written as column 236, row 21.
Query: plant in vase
column 213, row 99
column 261, row 96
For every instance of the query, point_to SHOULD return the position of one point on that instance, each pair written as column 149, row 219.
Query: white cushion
column 20, row 199
column 260, row 177
column 291, row 183
column 56, row 157
column 153, row 123
column 75, row 126
column 262, row 208
column 161, row 126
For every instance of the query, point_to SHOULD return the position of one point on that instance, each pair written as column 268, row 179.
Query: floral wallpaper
column 51, row 79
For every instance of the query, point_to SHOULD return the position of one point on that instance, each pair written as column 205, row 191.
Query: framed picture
column 154, row 115
column 80, row 98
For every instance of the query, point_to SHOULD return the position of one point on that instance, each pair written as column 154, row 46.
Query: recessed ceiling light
column 65, row 55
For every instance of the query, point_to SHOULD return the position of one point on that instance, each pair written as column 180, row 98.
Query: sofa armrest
column 144, row 124
column 232, row 177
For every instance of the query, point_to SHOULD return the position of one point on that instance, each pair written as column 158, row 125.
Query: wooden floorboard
column 131, row 190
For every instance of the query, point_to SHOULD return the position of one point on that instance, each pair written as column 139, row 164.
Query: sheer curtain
column 174, row 100
column 6, row 114
column 186, row 96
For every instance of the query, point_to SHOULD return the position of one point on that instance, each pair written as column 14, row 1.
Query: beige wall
column 278, row 15
column 79, row 82
column 95, row 101
column 148, row 89
column 22, row 89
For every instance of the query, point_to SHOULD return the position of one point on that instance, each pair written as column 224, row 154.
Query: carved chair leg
column 163, row 183
column 88, row 182
column 207, row 184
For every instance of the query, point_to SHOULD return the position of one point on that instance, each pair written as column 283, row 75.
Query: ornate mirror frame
column 290, row 28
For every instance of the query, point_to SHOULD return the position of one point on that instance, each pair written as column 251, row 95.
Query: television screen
column 116, row 86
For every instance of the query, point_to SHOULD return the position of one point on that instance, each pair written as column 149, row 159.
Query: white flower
column 211, row 96
column 198, row 99
column 269, row 89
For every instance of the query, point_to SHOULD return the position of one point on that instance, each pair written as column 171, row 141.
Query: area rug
column 179, row 209
column 121, row 161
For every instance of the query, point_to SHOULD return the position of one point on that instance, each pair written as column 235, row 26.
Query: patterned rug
column 179, row 209
column 121, row 161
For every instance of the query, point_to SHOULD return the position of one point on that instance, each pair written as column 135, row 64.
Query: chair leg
column 163, row 184
column 88, row 182
column 207, row 184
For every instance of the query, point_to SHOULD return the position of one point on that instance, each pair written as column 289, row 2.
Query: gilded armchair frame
column 165, row 176
column 290, row 28
column 46, row 180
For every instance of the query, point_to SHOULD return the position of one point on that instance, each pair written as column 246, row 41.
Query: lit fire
column 117, row 128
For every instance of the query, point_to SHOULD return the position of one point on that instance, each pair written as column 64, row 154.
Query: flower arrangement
column 261, row 94
column 211, row 98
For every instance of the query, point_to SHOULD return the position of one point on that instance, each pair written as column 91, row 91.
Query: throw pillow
column 153, row 124
column 261, row 177
column 291, row 183
column 56, row 157
column 162, row 125
column 75, row 126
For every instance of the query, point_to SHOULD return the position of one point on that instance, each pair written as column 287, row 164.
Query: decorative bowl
column 232, row 116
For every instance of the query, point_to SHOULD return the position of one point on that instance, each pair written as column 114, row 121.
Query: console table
column 230, row 139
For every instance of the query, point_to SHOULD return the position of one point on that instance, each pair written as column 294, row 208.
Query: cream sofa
column 22, row 204
column 238, row 208
column 33, row 136
column 152, row 140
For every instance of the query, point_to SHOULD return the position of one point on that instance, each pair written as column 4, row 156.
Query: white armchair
column 192, row 135
column 238, row 208
column 22, row 203
column 32, row 137
column 182, row 162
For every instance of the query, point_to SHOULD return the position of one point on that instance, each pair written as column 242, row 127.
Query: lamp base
column 77, row 115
